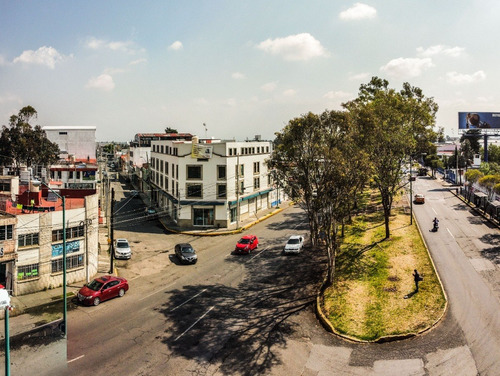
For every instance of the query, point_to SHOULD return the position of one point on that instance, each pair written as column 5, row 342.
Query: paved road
column 231, row 315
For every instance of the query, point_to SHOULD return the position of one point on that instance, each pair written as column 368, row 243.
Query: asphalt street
column 248, row 315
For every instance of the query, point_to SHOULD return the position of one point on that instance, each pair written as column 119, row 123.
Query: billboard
column 478, row 120
column 201, row 151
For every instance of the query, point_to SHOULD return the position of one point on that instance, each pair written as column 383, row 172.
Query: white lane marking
column 180, row 305
column 450, row 232
column 435, row 212
column 79, row 357
column 196, row 322
column 258, row 254
column 156, row 292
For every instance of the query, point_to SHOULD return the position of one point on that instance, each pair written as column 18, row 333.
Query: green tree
column 318, row 158
column 473, row 135
column 170, row 130
column 472, row 176
column 489, row 182
column 494, row 153
column 23, row 144
column 395, row 125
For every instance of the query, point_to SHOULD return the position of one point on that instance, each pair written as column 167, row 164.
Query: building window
column 161, row 149
column 242, row 170
column 166, row 168
column 72, row 262
column 177, row 172
column 63, row 133
column 256, row 183
column 161, row 166
column 72, row 232
column 267, row 149
column 230, row 151
column 166, row 184
column 203, row 217
column 5, row 186
column 27, row 272
column 221, row 172
column 194, row 172
column 27, row 239
column 256, row 167
column 194, row 190
column 6, row 232
column 221, row 191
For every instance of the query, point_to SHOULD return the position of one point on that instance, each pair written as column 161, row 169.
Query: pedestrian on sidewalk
column 417, row 278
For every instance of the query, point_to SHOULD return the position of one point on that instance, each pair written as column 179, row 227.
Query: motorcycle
column 435, row 227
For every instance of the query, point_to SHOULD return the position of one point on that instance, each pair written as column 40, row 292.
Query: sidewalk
column 33, row 310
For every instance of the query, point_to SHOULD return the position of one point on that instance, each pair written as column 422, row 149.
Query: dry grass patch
column 373, row 277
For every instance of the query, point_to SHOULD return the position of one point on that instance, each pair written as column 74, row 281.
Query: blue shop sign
column 71, row 247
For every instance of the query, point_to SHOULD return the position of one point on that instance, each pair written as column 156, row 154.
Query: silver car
column 294, row 244
column 122, row 249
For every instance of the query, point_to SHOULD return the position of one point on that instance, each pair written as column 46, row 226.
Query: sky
column 236, row 69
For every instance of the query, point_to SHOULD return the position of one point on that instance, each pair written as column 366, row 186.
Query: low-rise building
column 209, row 182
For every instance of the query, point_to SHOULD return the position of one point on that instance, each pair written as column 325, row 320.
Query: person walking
column 417, row 278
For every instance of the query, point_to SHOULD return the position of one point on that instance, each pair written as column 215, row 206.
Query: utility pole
column 112, row 220
column 411, row 195
column 237, row 190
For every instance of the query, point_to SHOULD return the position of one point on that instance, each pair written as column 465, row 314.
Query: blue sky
column 243, row 68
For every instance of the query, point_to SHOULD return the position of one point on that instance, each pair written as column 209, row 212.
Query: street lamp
column 411, row 195
column 65, row 308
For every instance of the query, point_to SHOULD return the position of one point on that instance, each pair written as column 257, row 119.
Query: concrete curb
column 329, row 327
column 221, row 233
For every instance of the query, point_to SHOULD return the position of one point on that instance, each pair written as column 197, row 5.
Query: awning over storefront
column 253, row 195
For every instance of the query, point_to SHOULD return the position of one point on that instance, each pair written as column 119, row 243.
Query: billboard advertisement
column 201, row 151
column 478, row 120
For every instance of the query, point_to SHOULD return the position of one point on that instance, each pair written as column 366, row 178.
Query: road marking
column 180, row 305
column 156, row 292
column 450, row 232
column 435, row 212
column 258, row 254
column 79, row 357
column 196, row 322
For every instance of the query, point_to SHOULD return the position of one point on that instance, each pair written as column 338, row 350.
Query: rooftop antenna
column 205, row 129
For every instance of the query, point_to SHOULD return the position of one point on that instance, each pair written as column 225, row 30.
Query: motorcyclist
column 435, row 221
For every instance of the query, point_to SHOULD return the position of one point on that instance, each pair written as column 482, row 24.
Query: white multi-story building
column 77, row 143
column 211, row 183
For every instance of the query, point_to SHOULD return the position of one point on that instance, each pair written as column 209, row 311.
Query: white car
column 294, row 244
column 122, row 249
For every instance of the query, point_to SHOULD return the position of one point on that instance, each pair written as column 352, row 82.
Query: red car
column 246, row 244
column 101, row 289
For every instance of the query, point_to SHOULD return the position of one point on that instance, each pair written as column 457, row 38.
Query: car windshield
column 244, row 241
column 95, row 285
column 293, row 241
column 122, row 244
column 187, row 250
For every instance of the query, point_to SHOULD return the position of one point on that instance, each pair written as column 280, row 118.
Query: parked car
column 186, row 253
column 101, row 289
column 246, row 244
column 419, row 199
column 122, row 249
column 294, row 244
column 151, row 213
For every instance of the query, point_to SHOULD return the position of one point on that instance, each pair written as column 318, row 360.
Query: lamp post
column 65, row 303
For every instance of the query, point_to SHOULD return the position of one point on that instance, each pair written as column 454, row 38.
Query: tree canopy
column 24, row 144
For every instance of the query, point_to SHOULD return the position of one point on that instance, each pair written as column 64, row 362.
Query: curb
column 329, row 327
column 221, row 233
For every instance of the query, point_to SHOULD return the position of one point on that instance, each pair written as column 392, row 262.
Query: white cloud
column 270, row 86
column 294, row 47
column 440, row 49
column 230, row 102
column 289, row 93
column 406, row 67
column 10, row 98
column 122, row 46
column 47, row 56
column 358, row 11
column 359, row 76
column 460, row 78
column 103, row 82
column 201, row 101
column 138, row 61
column 177, row 45
column 337, row 95
column 238, row 76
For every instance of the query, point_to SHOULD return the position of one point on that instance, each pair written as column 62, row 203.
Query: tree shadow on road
column 241, row 329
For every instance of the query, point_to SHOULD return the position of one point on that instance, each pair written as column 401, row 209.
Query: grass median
column 373, row 294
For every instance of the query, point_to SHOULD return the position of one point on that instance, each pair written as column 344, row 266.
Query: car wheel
column 97, row 301
column 121, row 293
